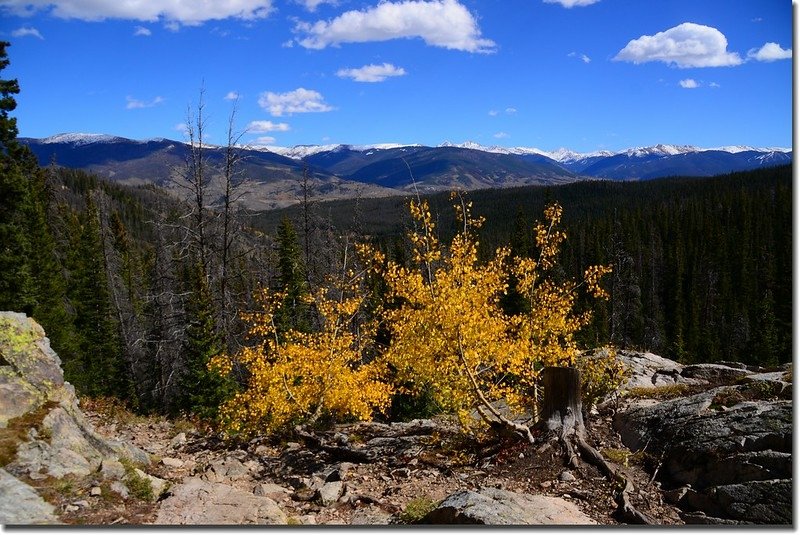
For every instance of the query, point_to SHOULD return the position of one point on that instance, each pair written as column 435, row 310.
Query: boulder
column 724, row 447
column 500, row 507
column 21, row 505
column 44, row 426
column 647, row 370
column 200, row 502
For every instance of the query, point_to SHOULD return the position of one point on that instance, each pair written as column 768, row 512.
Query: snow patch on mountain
column 82, row 139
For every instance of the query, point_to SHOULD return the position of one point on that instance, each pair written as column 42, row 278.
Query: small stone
column 112, row 469
column 70, row 508
column 521, row 455
column 178, row 440
column 308, row 520
column 566, row 475
column 81, row 503
column 261, row 449
column 171, row 462
column 330, row 493
column 96, row 491
column 291, row 446
column 546, row 484
column 271, row 490
column 120, row 488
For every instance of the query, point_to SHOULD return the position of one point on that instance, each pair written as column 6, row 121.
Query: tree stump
column 561, row 406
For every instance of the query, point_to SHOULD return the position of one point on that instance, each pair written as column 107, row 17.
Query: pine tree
column 202, row 390
column 294, row 313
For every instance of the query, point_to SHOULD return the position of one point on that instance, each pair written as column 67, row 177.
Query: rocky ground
column 372, row 473
column 708, row 443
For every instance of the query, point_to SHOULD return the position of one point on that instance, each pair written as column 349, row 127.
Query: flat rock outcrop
column 199, row 502
column 498, row 507
column 725, row 453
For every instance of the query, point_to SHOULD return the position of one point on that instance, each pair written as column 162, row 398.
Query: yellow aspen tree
column 449, row 333
column 300, row 377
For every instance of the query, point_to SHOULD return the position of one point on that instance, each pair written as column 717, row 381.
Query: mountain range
column 275, row 174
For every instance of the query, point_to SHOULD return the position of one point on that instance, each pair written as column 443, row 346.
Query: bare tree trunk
column 561, row 406
column 562, row 414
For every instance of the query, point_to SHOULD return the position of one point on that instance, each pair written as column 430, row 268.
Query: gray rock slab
column 198, row 502
column 20, row 505
column 500, row 507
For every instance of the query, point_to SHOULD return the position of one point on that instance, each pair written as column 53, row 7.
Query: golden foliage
column 449, row 332
column 303, row 376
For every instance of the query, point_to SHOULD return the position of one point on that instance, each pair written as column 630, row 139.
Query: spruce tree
column 295, row 312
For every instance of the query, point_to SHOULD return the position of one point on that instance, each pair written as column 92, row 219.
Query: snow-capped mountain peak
column 81, row 139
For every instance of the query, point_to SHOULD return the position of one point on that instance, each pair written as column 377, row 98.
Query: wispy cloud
column 689, row 83
column 441, row 23
column 371, row 73
column 493, row 113
column 232, row 95
column 188, row 12
column 769, row 52
column 300, row 100
column 583, row 57
column 135, row 104
column 511, row 111
column 260, row 127
column 501, row 135
column 685, row 45
column 142, row 31
column 312, row 5
column 572, row 3
column 27, row 31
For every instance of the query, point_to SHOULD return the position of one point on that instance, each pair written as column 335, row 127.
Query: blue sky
column 581, row 74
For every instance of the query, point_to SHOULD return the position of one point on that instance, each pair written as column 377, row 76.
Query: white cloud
column 501, row 135
column 511, row 111
column 572, row 3
column 259, row 127
column 493, row 113
column 371, row 73
column 135, row 104
column 769, row 52
column 142, row 31
column 288, row 44
column 232, row 95
column 263, row 140
column 27, row 31
column 583, row 57
column 183, row 11
column 442, row 23
column 300, row 100
column 714, row 84
column 685, row 45
column 312, row 5
column 172, row 26
column 183, row 128
column 689, row 84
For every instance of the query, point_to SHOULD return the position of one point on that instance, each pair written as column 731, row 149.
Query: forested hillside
column 702, row 266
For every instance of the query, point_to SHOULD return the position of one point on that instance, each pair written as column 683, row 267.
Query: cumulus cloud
column 689, row 84
column 135, row 104
column 769, row 52
column 371, row 73
column 232, row 95
column 583, row 57
column 26, row 31
column 263, row 140
column 300, row 100
column 142, row 31
column 572, row 3
column 685, row 45
column 260, row 127
column 188, row 12
column 442, row 23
